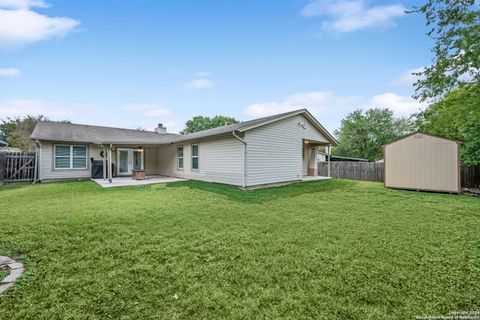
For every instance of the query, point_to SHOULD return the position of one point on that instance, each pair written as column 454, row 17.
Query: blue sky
column 135, row 63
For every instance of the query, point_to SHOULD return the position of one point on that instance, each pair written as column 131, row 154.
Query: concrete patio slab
column 128, row 181
column 312, row 178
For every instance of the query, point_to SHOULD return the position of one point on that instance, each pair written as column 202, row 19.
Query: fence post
column 2, row 167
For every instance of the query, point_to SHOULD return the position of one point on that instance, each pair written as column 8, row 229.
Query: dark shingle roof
column 243, row 126
column 60, row 131
column 229, row 128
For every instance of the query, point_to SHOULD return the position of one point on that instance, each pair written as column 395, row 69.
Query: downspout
column 328, row 154
column 110, row 173
column 244, row 183
column 37, row 164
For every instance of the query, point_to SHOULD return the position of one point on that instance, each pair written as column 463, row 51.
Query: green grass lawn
column 331, row 249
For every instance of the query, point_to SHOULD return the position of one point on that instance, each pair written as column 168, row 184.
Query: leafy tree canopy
column 457, row 116
column 199, row 123
column 455, row 28
column 363, row 133
column 17, row 131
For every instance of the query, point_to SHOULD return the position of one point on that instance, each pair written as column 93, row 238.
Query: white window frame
column 197, row 156
column 182, row 157
column 71, row 156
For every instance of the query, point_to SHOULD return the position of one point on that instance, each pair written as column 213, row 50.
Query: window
column 180, row 157
column 70, row 157
column 195, row 156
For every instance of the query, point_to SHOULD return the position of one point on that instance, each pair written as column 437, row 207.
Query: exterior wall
column 274, row 151
column 150, row 160
column 47, row 171
column 423, row 162
column 220, row 160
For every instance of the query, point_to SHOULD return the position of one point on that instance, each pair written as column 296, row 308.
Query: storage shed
column 422, row 161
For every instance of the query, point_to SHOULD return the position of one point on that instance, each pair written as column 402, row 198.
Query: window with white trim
column 70, row 157
column 180, row 157
column 195, row 157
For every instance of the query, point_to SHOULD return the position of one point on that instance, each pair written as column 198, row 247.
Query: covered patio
column 310, row 158
column 117, row 163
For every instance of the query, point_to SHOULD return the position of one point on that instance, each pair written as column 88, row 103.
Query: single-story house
column 267, row 150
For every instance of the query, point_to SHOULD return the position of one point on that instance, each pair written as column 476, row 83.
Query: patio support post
column 110, row 164
column 329, row 148
column 105, row 162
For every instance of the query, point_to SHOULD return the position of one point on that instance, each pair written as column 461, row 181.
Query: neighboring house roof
column 332, row 157
column 10, row 149
column 61, row 131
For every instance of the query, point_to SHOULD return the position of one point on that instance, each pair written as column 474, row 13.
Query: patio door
column 128, row 160
column 125, row 161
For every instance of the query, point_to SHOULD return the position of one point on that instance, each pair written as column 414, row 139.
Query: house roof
column 250, row 124
column 61, row 131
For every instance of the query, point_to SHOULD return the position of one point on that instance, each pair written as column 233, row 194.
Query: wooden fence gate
column 17, row 167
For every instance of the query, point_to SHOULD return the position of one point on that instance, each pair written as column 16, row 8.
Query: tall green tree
column 363, row 133
column 16, row 131
column 199, row 123
column 457, row 116
column 455, row 28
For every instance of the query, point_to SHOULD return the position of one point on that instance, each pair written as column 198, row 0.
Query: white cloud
column 407, row 78
column 201, row 84
column 149, row 109
column 22, row 4
column 351, row 15
column 203, row 74
column 22, row 107
column 331, row 108
column 9, row 72
column 318, row 102
column 19, row 25
column 400, row 105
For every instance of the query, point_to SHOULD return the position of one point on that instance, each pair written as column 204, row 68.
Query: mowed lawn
column 333, row 249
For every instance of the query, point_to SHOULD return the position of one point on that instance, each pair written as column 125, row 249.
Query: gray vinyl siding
column 274, row 151
column 47, row 170
column 220, row 160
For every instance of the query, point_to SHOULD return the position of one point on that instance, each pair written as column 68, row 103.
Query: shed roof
column 61, row 131
column 421, row 132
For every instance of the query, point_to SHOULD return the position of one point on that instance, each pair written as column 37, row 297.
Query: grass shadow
column 267, row 194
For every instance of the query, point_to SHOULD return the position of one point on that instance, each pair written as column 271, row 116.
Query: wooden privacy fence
column 17, row 167
column 368, row 171
column 470, row 176
column 373, row 171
